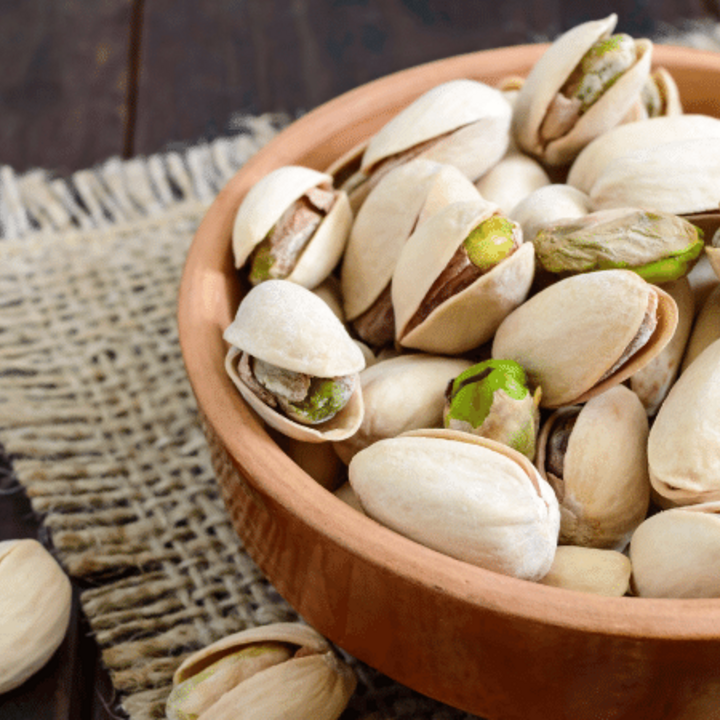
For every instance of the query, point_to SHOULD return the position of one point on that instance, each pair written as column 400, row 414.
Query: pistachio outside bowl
column 501, row 648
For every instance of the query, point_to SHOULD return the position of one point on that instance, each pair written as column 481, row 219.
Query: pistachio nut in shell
column 294, row 363
column 632, row 137
column 465, row 496
column 400, row 394
column 548, row 205
column 676, row 553
column 461, row 122
column 293, row 225
column 584, row 84
column 658, row 246
column 492, row 399
column 653, row 382
column 274, row 672
column 684, row 446
column 660, row 95
column 35, row 600
column 586, row 333
column 595, row 458
column 705, row 330
column 458, row 275
column 592, row 570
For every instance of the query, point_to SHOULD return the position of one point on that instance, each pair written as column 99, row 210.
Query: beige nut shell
column 268, row 199
column 676, row 553
column 706, row 328
column 605, row 490
column 470, row 317
column 35, row 602
column 468, row 497
column 549, row 75
column 570, row 334
column 684, row 445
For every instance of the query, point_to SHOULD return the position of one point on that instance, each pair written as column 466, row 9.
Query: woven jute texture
column 101, row 425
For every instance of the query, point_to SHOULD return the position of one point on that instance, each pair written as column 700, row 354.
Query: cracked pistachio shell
column 658, row 246
column 386, row 220
column 400, row 394
column 653, row 382
column 35, row 602
column 592, row 570
column 470, row 317
column 676, row 553
column 548, row 76
column 604, row 489
column 626, row 139
column 684, row 445
column 513, row 178
column 547, row 205
column 288, row 326
column 570, row 335
column 265, row 203
column 467, row 497
column 284, row 670
column 705, row 330
column 661, row 97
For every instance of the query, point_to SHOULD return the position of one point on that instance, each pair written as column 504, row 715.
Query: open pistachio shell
column 468, row 318
column 579, row 336
column 676, row 553
column 547, row 205
column 549, row 75
column 653, row 382
column 684, row 445
column 661, row 95
column 462, row 495
column 626, row 139
column 598, row 468
column 400, row 394
column 706, row 329
column 512, row 180
column 263, row 207
column 284, row 324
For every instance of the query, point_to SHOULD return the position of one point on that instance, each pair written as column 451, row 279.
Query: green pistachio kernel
column 261, row 263
column 602, row 65
column 473, row 391
column 490, row 242
column 325, row 398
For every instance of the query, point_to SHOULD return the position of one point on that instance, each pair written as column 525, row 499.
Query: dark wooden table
column 84, row 80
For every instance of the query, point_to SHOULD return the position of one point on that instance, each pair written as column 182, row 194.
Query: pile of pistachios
column 499, row 317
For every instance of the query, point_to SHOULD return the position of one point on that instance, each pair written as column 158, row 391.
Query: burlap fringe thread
column 98, row 416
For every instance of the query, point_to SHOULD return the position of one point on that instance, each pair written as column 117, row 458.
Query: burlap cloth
column 100, row 422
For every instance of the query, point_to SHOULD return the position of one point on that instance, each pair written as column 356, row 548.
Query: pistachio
column 658, row 246
column 285, row 670
column 492, row 399
column 35, row 600
column 660, row 95
column 706, row 328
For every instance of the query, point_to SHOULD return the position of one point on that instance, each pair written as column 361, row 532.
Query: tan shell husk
column 386, row 220
column 470, row 317
column 604, row 492
column 680, row 177
column 706, row 329
column 570, row 334
column 684, row 446
column 592, row 570
column 443, row 109
column 414, row 483
column 317, row 685
column 632, row 137
column 549, row 75
column 268, row 199
column 401, row 394
column 547, row 205
column 35, row 602
column 653, row 382
column 513, row 178
column 675, row 553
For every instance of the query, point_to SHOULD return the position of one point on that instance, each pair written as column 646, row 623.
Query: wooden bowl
column 492, row 645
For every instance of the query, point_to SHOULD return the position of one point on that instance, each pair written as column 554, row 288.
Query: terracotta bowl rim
column 242, row 434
